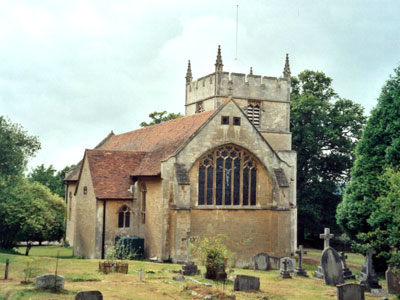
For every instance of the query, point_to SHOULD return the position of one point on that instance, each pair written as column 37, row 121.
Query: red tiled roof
column 158, row 141
column 110, row 171
column 137, row 153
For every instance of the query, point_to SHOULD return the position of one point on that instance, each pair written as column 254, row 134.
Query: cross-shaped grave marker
column 188, row 239
column 285, row 273
column 326, row 236
column 301, row 253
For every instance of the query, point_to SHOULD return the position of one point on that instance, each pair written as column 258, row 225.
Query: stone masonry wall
column 85, row 212
column 71, row 210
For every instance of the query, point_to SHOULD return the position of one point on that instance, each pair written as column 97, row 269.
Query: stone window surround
column 125, row 211
column 237, row 197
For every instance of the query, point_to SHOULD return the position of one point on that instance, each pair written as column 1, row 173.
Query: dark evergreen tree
column 378, row 149
column 325, row 129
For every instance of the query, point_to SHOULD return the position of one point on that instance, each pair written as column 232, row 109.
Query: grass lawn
column 82, row 274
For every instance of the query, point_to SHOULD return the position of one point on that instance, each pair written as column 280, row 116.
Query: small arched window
column 227, row 176
column 124, row 217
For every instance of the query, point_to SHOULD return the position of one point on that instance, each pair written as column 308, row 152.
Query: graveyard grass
column 83, row 274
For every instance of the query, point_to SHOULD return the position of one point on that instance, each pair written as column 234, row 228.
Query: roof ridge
column 168, row 122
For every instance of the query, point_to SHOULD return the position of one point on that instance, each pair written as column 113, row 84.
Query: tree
column 159, row 117
column 32, row 213
column 16, row 146
column 378, row 149
column 325, row 129
column 51, row 178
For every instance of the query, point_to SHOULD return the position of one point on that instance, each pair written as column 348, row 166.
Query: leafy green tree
column 16, row 147
column 51, row 178
column 325, row 129
column 378, row 149
column 159, row 117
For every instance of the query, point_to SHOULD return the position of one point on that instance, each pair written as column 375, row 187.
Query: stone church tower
column 227, row 167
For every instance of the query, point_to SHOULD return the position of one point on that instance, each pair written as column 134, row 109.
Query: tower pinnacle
column 189, row 76
column 218, row 64
column 286, row 70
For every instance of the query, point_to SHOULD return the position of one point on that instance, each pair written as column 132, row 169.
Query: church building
column 226, row 167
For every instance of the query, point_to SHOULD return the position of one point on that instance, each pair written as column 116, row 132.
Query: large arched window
column 227, row 176
column 124, row 217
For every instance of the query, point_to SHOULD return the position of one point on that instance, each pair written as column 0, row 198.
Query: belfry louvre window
column 253, row 113
column 124, row 217
column 227, row 176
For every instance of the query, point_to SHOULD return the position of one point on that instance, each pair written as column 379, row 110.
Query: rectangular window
column 236, row 121
column 253, row 113
column 85, row 190
column 225, row 120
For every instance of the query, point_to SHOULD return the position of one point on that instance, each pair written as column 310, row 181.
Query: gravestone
column 326, row 236
column 299, row 271
column 89, row 295
column 331, row 266
column 49, row 281
column 246, row 283
column 189, row 268
column 261, row 262
column 350, row 291
column 392, row 281
column 367, row 274
column 284, row 272
column 291, row 264
column 347, row 274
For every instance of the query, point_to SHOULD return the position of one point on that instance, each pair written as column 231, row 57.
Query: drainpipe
column 104, row 229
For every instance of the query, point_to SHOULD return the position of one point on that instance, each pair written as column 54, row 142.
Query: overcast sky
column 72, row 71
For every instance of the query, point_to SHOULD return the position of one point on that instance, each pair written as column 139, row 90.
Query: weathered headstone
column 367, row 274
column 392, row 281
column 6, row 271
column 246, row 283
column 284, row 272
column 49, row 281
column 89, row 295
column 350, row 291
column 189, row 268
column 326, row 236
column 331, row 266
column 299, row 271
column 261, row 262
column 347, row 274
column 290, row 266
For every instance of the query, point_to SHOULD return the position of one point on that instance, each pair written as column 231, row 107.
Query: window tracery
column 124, row 217
column 227, row 176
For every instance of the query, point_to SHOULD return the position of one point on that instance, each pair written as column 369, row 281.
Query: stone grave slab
column 246, row 283
column 347, row 274
column 331, row 265
column 350, row 291
column 284, row 273
column 261, row 262
column 392, row 281
column 49, row 281
column 89, row 295
column 291, row 264
column 190, row 269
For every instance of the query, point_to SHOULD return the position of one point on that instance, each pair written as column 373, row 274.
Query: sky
column 72, row 71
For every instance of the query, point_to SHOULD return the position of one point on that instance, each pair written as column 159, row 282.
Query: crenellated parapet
column 238, row 85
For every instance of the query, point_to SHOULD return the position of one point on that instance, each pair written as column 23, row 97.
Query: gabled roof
column 110, row 172
column 73, row 174
column 155, row 143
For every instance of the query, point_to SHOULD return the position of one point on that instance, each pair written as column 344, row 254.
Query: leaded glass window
column 227, row 176
column 124, row 217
